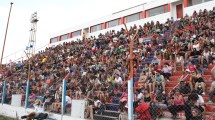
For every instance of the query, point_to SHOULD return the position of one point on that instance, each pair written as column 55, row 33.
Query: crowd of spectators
column 99, row 67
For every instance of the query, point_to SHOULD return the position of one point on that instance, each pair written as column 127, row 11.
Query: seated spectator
column 200, row 100
column 98, row 107
column 155, row 60
column 47, row 101
column 167, row 71
column 147, row 97
column 160, row 103
column 142, row 80
column 193, row 111
column 118, row 81
column 212, row 88
column 186, row 77
column 178, row 104
column 32, row 97
column 191, row 67
column 199, row 84
column 163, row 53
column 110, row 90
column 123, row 100
column 184, row 89
column 205, row 56
column 159, row 82
column 68, row 101
column 146, row 68
column 149, row 82
column 179, row 61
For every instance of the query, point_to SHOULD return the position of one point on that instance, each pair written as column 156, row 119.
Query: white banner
column 78, row 107
column 16, row 100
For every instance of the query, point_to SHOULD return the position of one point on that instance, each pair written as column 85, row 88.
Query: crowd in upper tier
column 98, row 67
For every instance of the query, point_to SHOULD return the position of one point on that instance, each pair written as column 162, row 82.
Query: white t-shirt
column 118, row 80
column 38, row 108
column 139, row 96
column 200, row 100
column 68, row 100
column 96, row 103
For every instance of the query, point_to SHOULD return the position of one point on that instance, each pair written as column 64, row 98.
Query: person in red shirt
column 191, row 67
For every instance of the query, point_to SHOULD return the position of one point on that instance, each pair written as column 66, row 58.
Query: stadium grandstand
column 173, row 61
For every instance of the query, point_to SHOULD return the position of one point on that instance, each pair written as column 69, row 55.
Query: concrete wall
column 173, row 9
column 206, row 5
column 145, row 6
column 11, row 111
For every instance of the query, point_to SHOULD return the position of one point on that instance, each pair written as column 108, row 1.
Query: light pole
column 4, row 88
column 5, row 37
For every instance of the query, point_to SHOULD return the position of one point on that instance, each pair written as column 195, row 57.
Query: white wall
column 11, row 111
column 173, row 9
column 161, row 18
column 207, row 5
column 154, row 3
column 120, row 14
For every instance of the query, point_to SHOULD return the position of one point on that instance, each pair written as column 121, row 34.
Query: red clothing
column 191, row 68
column 143, row 111
column 186, row 77
column 176, row 102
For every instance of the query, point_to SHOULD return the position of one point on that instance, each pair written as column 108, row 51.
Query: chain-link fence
column 173, row 74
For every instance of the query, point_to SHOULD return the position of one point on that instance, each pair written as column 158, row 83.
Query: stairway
column 111, row 111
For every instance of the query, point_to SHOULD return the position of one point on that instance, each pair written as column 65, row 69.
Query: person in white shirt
column 118, row 81
column 167, row 71
column 68, row 100
column 39, row 112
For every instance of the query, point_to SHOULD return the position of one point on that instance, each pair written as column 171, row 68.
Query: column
column 104, row 25
column 122, row 20
column 169, row 7
column 58, row 38
column 144, row 14
column 185, row 3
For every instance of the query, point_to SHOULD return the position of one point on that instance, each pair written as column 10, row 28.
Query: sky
column 54, row 16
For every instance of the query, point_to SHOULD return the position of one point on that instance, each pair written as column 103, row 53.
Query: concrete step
column 112, row 107
column 103, row 117
column 174, row 83
column 111, row 113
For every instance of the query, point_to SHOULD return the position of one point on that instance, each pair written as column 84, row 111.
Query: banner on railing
column 145, row 40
